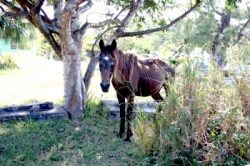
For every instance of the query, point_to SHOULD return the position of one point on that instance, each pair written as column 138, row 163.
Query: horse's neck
column 121, row 73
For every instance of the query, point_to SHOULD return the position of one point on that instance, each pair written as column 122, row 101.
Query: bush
column 201, row 122
column 7, row 62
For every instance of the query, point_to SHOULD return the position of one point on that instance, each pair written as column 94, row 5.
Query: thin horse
column 131, row 77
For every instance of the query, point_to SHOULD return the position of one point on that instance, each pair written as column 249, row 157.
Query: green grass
column 89, row 141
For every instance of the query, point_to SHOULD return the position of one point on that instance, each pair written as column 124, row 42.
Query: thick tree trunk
column 74, row 88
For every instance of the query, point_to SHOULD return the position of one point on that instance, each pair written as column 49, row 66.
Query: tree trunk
column 71, row 44
column 90, row 71
column 74, row 89
column 58, row 9
column 220, row 42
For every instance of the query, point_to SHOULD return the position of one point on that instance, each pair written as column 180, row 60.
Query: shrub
column 7, row 62
column 201, row 122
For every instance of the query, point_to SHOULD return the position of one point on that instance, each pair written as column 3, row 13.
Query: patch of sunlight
column 36, row 80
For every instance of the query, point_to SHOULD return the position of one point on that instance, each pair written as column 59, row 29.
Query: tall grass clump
column 200, row 122
column 239, row 69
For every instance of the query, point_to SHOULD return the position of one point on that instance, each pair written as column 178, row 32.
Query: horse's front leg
column 129, row 117
column 121, row 101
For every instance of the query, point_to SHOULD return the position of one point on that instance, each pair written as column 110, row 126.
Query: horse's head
column 106, row 63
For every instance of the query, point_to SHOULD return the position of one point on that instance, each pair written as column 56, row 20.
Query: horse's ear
column 101, row 45
column 113, row 45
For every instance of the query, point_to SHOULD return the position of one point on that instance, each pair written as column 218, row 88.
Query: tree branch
column 133, row 9
column 45, row 30
column 98, row 38
column 85, row 8
column 129, row 34
column 6, row 13
column 216, row 11
column 17, row 11
column 240, row 34
column 38, row 6
column 41, row 22
column 122, row 10
column 53, row 29
column 25, row 4
column 84, row 28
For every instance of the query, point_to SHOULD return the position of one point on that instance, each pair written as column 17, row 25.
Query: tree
column 65, row 34
column 65, row 39
column 214, row 28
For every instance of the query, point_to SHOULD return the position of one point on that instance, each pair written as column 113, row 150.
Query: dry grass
column 202, row 122
column 243, row 89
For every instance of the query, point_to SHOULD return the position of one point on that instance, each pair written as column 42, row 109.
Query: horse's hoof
column 127, row 139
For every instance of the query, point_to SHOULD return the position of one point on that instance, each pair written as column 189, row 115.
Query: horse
column 131, row 77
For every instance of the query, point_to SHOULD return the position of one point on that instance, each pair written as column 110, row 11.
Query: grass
column 35, row 80
column 203, row 122
column 89, row 141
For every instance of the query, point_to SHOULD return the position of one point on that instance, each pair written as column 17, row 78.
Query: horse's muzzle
column 105, row 86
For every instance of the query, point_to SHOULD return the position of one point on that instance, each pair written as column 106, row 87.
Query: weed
column 201, row 123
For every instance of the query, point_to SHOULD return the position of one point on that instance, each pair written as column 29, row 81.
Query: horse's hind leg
column 121, row 101
column 129, row 117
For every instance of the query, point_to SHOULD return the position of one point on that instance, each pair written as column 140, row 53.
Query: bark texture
column 74, row 89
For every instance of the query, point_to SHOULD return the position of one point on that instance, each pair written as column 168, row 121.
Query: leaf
column 232, row 3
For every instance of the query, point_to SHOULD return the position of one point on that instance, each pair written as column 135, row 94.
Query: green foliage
column 15, row 29
column 232, row 3
column 200, row 123
column 7, row 62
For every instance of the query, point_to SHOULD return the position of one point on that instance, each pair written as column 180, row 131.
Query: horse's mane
column 129, row 69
